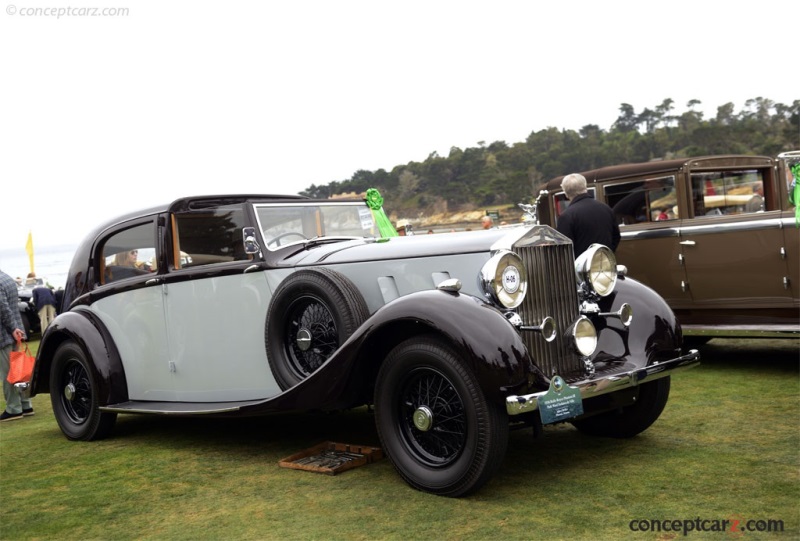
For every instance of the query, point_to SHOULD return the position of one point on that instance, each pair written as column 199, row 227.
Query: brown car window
column 728, row 192
column 643, row 201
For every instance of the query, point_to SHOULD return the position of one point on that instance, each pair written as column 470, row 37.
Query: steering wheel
column 276, row 240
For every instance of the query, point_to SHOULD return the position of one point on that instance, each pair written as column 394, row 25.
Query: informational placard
column 560, row 402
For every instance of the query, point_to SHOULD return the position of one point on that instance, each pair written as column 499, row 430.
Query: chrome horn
column 624, row 314
column 547, row 328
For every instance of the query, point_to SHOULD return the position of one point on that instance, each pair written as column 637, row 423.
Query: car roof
column 198, row 202
column 662, row 166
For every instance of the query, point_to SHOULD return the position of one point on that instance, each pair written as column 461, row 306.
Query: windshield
column 283, row 224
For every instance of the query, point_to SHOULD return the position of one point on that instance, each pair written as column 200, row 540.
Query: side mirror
column 249, row 239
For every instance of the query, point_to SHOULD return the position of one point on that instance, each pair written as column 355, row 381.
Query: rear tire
column 435, row 424
column 73, row 394
column 630, row 420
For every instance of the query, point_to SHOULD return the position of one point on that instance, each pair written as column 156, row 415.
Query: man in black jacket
column 586, row 221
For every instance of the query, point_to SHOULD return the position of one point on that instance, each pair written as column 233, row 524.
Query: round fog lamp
column 585, row 336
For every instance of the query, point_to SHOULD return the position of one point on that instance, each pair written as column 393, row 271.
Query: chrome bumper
column 517, row 404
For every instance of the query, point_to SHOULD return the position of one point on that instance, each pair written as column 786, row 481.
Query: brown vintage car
column 714, row 235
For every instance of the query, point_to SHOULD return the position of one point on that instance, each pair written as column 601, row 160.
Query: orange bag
column 21, row 362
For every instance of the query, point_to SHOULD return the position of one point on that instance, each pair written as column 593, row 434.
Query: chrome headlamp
column 597, row 267
column 504, row 280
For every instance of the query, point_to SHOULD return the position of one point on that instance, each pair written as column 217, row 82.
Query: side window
column 728, row 192
column 561, row 202
column 208, row 236
column 643, row 201
column 128, row 253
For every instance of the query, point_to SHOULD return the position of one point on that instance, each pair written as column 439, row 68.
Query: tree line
column 500, row 173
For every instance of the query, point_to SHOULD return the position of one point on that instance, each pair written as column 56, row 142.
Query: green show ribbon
column 794, row 192
column 375, row 203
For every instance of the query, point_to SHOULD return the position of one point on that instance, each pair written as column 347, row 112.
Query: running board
column 177, row 408
column 742, row 331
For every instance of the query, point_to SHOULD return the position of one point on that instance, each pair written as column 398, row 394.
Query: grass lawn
column 726, row 447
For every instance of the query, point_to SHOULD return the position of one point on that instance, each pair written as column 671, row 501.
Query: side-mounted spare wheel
column 311, row 314
column 435, row 424
column 73, row 393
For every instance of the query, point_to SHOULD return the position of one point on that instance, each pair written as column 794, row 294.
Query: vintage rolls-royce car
column 716, row 236
column 254, row 304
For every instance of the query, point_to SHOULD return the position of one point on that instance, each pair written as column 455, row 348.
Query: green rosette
column 794, row 192
column 375, row 203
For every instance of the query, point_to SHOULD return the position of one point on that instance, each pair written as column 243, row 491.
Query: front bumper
column 517, row 404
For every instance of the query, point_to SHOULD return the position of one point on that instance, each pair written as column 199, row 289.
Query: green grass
column 726, row 446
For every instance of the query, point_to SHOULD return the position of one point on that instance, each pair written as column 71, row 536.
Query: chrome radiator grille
column 552, row 291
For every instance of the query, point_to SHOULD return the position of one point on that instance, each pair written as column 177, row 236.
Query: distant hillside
column 462, row 185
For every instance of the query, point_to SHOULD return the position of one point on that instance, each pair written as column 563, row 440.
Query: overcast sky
column 106, row 114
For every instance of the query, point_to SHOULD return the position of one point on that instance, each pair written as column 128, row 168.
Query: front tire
column 73, row 394
column 435, row 424
column 630, row 420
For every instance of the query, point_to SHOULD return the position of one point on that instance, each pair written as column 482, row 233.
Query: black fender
column 85, row 329
column 654, row 334
column 477, row 331
column 479, row 334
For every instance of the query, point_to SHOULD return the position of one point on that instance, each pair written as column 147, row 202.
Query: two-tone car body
column 254, row 304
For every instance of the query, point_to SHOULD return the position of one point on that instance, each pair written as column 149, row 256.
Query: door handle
column 251, row 268
column 688, row 243
column 152, row 282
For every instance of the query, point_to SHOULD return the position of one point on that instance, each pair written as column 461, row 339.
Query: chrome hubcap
column 303, row 339
column 69, row 392
column 423, row 418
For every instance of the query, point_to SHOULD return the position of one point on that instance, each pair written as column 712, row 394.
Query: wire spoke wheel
column 435, row 424
column 75, row 392
column 313, row 312
column 311, row 335
column 74, row 395
column 432, row 418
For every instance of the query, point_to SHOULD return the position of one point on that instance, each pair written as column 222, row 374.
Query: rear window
column 728, row 192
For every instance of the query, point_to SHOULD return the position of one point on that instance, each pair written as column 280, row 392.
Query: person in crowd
column 45, row 301
column 586, row 221
column 11, row 330
column 486, row 222
column 30, row 280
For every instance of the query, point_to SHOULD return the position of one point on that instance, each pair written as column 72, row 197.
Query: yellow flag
column 29, row 249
